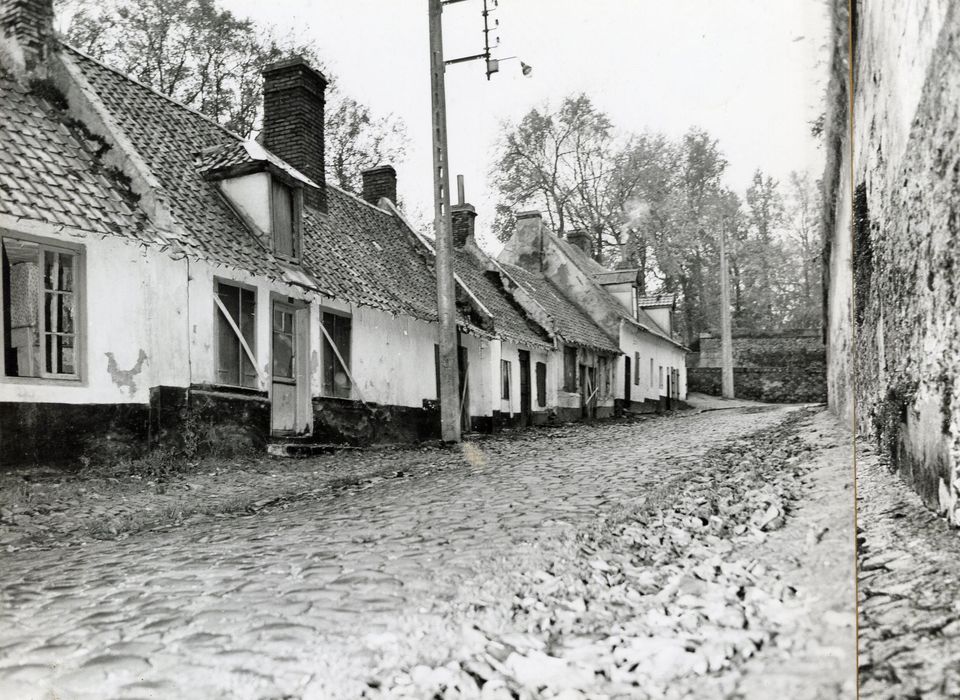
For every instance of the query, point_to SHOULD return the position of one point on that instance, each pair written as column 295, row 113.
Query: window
column 336, row 381
column 636, row 371
column 233, row 362
column 541, row 384
column 505, row 380
column 651, row 371
column 661, row 376
column 569, row 368
column 41, row 299
column 284, row 219
column 284, row 352
column 602, row 376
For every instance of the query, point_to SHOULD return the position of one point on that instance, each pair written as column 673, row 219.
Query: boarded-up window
column 284, row 219
column 233, row 364
column 40, row 303
column 336, row 382
column 541, row 384
column 569, row 368
column 505, row 379
column 636, row 371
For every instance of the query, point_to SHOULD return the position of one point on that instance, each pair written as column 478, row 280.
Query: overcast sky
column 750, row 72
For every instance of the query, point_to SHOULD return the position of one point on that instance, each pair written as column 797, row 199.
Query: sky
column 751, row 72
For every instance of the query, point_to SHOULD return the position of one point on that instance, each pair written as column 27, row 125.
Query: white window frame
column 78, row 251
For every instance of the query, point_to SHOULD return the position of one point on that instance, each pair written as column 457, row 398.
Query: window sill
column 43, row 381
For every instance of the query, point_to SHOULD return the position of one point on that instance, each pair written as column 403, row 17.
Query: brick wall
column 906, row 257
column 781, row 368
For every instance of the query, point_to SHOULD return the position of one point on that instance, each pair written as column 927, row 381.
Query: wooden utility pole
column 443, row 237
column 726, row 339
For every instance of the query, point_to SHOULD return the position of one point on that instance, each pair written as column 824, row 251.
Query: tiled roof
column 356, row 252
column 362, row 254
column 573, row 325
column 592, row 268
column 240, row 153
column 657, row 300
column 50, row 170
column 509, row 322
column 168, row 137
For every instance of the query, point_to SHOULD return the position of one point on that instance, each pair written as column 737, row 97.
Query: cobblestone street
column 312, row 597
column 909, row 571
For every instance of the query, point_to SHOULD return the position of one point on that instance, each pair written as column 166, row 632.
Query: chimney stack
column 26, row 34
column 380, row 182
column 582, row 239
column 463, row 218
column 293, row 101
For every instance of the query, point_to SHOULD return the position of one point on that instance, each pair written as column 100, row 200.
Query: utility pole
column 443, row 237
column 726, row 339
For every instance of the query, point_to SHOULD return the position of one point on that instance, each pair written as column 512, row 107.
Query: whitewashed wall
column 133, row 299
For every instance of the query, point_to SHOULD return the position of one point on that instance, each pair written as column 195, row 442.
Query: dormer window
column 285, row 219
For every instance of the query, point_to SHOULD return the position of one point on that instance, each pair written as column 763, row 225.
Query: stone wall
column 906, row 257
column 779, row 368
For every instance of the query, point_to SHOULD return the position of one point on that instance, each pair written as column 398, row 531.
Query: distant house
column 164, row 280
column 652, row 369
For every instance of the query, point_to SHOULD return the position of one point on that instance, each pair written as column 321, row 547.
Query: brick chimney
column 582, row 239
column 463, row 218
column 26, row 34
column 293, row 100
column 380, row 182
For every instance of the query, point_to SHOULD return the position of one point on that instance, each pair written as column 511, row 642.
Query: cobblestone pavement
column 304, row 599
column 909, row 578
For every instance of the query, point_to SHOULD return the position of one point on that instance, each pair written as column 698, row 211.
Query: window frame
column 217, row 281
column 79, row 253
column 328, row 355
column 296, row 219
column 661, row 378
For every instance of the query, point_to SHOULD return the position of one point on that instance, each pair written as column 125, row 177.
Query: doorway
column 290, row 410
column 626, row 382
column 526, row 390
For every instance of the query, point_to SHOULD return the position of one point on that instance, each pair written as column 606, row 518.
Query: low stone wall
column 777, row 368
column 770, row 384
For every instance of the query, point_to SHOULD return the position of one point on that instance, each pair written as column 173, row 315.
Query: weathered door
column 626, row 381
column 526, row 390
column 284, row 394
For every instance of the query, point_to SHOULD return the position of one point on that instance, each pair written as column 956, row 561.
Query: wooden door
column 526, row 390
column 284, row 394
column 626, row 381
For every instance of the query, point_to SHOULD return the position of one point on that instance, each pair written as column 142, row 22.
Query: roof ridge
column 156, row 92
column 357, row 197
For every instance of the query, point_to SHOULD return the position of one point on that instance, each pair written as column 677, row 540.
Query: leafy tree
column 211, row 60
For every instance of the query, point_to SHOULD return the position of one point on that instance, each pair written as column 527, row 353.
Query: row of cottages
column 165, row 281
column 650, row 366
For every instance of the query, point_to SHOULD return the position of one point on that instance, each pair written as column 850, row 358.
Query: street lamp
column 443, row 236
